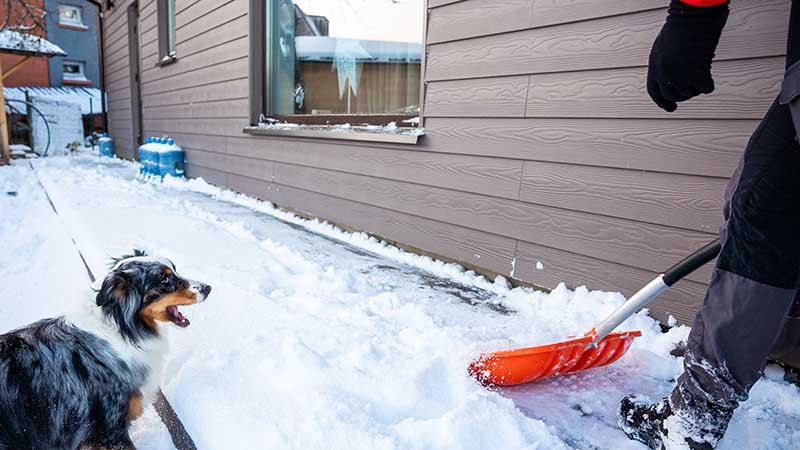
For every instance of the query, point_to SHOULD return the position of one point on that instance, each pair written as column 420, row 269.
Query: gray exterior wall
column 541, row 146
column 79, row 45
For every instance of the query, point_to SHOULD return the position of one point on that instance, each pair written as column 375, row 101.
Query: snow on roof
column 89, row 99
column 28, row 44
column 325, row 48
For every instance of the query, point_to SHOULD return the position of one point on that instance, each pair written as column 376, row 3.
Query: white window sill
column 404, row 135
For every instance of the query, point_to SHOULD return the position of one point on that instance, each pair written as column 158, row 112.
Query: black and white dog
column 78, row 381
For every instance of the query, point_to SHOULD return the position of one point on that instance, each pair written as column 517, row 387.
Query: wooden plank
column 485, row 97
column 477, row 17
column 118, row 59
column 195, row 11
column 745, row 89
column 205, row 76
column 116, row 85
column 252, row 168
column 182, row 5
column 115, row 36
column 651, row 247
column 683, row 201
column 120, row 116
column 754, row 29
column 437, row 3
column 681, row 301
column 212, row 176
column 695, row 147
column 188, row 62
column 249, row 186
column 148, row 24
column 202, row 35
column 114, row 62
column 219, row 17
column 491, row 176
column 226, row 126
column 224, row 108
column 214, row 144
column 552, row 12
column 204, row 93
column 447, row 241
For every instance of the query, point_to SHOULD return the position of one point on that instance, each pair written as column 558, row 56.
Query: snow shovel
column 596, row 348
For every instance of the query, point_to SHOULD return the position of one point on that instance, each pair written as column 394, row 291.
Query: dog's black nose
column 206, row 290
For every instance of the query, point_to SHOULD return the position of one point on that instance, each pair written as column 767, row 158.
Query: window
column 337, row 61
column 70, row 15
column 166, row 31
column 74, row 71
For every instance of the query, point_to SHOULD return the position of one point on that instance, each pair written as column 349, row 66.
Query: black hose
column 44, row 119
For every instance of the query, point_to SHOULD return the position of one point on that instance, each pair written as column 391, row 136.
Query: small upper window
column 166, row 30
column 70, row 15
column 74, row 71
column 357, row 61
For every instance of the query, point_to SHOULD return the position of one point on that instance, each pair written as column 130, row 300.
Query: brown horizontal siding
column 744, row 90
column 117, row 79
column 218, row 73
column 219, row 91
column 541, row 144
column 472, row 18
column 204, row 54
column 703, row 147
column 577, row 270
column 475, row 248
column 756, row 28
column 553, row 12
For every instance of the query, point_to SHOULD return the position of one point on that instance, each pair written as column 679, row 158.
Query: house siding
column 541, row 144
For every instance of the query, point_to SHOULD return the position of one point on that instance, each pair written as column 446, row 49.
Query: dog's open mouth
column 176, row 317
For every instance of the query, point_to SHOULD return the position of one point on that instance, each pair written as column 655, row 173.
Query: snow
column 15, row 41
column 390, row 128
column 318, row 338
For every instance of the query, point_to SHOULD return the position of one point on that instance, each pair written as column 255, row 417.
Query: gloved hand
column 680, row 61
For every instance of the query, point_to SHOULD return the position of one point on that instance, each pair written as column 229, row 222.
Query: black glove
column 680, row 61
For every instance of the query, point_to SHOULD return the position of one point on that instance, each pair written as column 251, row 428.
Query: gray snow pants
column 753, row 293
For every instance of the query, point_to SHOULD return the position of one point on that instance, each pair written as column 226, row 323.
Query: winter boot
column 660, row 428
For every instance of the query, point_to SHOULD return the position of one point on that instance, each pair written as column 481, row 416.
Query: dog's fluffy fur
column 79, row 380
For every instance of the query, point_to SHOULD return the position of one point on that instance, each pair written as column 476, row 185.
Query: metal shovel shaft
column 653, row 289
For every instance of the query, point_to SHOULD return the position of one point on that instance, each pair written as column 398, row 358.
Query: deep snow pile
column 315, row 338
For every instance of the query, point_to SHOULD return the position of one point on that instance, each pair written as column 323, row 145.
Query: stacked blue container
column 171, row 159
column 146, row 155
column 106, row 145
column 160, row 156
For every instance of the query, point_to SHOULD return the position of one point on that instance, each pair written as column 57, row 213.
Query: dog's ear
column 136, row 252
column 115, row 288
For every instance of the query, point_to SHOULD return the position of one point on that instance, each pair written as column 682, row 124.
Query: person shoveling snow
column 754, row 287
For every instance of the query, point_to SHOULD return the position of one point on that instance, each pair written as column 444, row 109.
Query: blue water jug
column 106, row 145
column 171, row 159
column 148, row 158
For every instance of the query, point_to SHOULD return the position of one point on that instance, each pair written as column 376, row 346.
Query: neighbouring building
column 33, row 72
column 73, row 25
column 543, row 159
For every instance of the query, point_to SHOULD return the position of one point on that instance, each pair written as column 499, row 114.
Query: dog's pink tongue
column 176, row 317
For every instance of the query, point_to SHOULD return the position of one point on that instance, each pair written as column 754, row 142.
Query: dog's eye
column 165, row 280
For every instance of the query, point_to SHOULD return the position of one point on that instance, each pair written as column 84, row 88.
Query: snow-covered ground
column 317, row 339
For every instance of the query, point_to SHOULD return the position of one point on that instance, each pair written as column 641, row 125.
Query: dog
column 79, row 380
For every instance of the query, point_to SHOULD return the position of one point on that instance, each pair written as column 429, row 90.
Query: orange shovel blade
column 511, row 367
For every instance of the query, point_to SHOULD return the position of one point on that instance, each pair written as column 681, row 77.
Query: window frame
column 70, row 23
column 167, row 45
column 259, row 80
column 69, row 79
